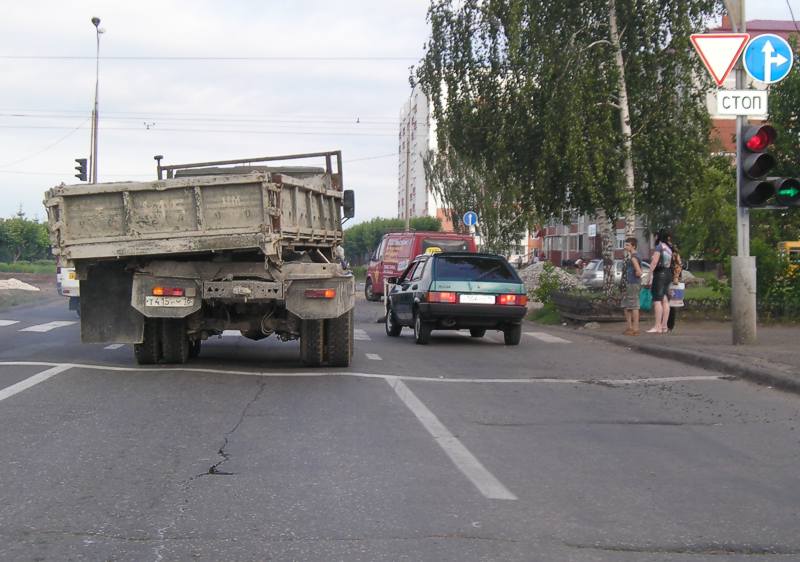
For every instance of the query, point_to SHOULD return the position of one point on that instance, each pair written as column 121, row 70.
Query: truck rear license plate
column 168, row 301
column 476, row 299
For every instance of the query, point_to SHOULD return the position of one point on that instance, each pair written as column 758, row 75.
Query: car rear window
column 473, row 268
column 447, row 245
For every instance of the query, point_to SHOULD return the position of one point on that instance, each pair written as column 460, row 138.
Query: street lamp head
column 96, row 21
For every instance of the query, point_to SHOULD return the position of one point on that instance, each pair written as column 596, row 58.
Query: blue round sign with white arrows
column 768, row 58
column 470, row 218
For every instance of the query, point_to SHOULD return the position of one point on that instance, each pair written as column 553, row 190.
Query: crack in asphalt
column 711, row 549
column 214, row 469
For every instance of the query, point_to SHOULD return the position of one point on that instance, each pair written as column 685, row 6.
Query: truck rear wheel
column 175, row 340
column 312, row 345
column 149, row 351
column 339, row 339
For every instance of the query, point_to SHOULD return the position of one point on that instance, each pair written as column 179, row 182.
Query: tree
column 462, row 186
column 533, row 92
column 23, row 239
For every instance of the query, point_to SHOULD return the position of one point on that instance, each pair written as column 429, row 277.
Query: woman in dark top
column 660, row 278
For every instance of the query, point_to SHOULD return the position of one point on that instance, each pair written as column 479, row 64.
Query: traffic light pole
column 743, row 265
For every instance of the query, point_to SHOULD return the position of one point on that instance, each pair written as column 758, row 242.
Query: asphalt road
column 464, row 449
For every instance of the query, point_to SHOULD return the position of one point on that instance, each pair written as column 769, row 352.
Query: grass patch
column 40, row 266
column 700, row 293
column 707, row 275
column 547, row 315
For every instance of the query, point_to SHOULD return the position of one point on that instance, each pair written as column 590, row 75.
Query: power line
column 236, row 131
column 243, row 119
column 212, row 59
column 794, row 21
column 46, row 148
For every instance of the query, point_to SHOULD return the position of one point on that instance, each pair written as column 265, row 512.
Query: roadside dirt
column 45, row 282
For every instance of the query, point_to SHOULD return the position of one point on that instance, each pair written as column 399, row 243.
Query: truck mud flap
column 106, row 312
column 319, row 308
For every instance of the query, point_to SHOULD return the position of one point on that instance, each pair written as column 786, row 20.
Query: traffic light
column 81, row 168
column 757, row 190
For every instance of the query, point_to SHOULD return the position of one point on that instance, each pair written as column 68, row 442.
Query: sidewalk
column 774, row 360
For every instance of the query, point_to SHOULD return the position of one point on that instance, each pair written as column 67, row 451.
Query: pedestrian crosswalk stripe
column 47, row 327
column 8, row 322
column 547, row 337
column 361, row 335
column 114, row 346
column 229, row 333
column 374, row 357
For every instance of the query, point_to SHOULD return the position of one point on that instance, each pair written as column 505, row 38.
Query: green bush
column 548, row 284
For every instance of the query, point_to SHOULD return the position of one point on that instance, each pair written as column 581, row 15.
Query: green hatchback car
column 457, row 291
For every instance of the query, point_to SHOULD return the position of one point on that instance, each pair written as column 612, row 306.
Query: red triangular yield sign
column 720, row 51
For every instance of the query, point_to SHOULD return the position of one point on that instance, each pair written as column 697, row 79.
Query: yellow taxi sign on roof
column 433, row 250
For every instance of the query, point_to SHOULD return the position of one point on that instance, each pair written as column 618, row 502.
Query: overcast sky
column 310, row 75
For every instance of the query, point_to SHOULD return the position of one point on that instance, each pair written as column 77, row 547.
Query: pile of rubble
column 530, row 275
column 16, row 284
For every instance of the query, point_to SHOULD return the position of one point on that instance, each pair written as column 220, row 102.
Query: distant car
column 68, row 286
column 455, row 291
column 592, row 275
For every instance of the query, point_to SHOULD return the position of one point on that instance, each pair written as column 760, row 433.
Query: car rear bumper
column 460, row 316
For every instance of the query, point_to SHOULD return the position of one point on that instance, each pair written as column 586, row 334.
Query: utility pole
column 743, row 265
column 95, row 113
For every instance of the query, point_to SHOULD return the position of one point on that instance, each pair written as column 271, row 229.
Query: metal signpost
column 767, row 58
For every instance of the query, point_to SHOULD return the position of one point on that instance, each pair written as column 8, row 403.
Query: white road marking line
column 310, row 374
column 8, row 322
column 465, row 461
column 31, row 381
column 230, row 333
column 361, row 335
column 374, row 357
column 547, row 337
column 114, row 346
column 47, row 327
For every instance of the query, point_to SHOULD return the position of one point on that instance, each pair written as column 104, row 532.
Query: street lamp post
column 95, row 114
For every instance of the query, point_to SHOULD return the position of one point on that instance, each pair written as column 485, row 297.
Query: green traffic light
column 790, row 192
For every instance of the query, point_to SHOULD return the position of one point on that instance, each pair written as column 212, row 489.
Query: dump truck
column 252, row 245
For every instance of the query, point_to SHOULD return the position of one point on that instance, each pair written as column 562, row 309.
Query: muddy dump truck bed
column 203, row 210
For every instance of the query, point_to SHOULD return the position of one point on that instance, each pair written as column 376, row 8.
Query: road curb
column 759, row 375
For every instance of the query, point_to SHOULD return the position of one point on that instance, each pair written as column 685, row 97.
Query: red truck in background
column 397, row 249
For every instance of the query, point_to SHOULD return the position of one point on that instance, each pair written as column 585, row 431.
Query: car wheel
column 393, row 329
column 422, row 331
column 513, row 334
column 369, row 294
column 477, row 332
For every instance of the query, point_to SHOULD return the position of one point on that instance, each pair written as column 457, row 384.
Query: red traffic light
column 757, row 139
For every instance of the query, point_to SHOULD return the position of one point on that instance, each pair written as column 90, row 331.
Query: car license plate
column 476, row 299
column 168, row 301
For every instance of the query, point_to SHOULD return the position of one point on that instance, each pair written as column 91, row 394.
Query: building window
column 620, row 240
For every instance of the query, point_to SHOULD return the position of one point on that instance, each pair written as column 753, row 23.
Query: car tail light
column 442, row 296
column 168, row 291
column 320, row 293
column 513, row 300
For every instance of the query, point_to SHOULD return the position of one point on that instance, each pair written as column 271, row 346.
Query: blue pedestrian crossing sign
column 768, row 58
column 470, row 218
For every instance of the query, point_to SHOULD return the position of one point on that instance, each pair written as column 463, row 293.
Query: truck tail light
column 512, row 300
column 320, row 293
column 168, row 291
column 442, row 296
